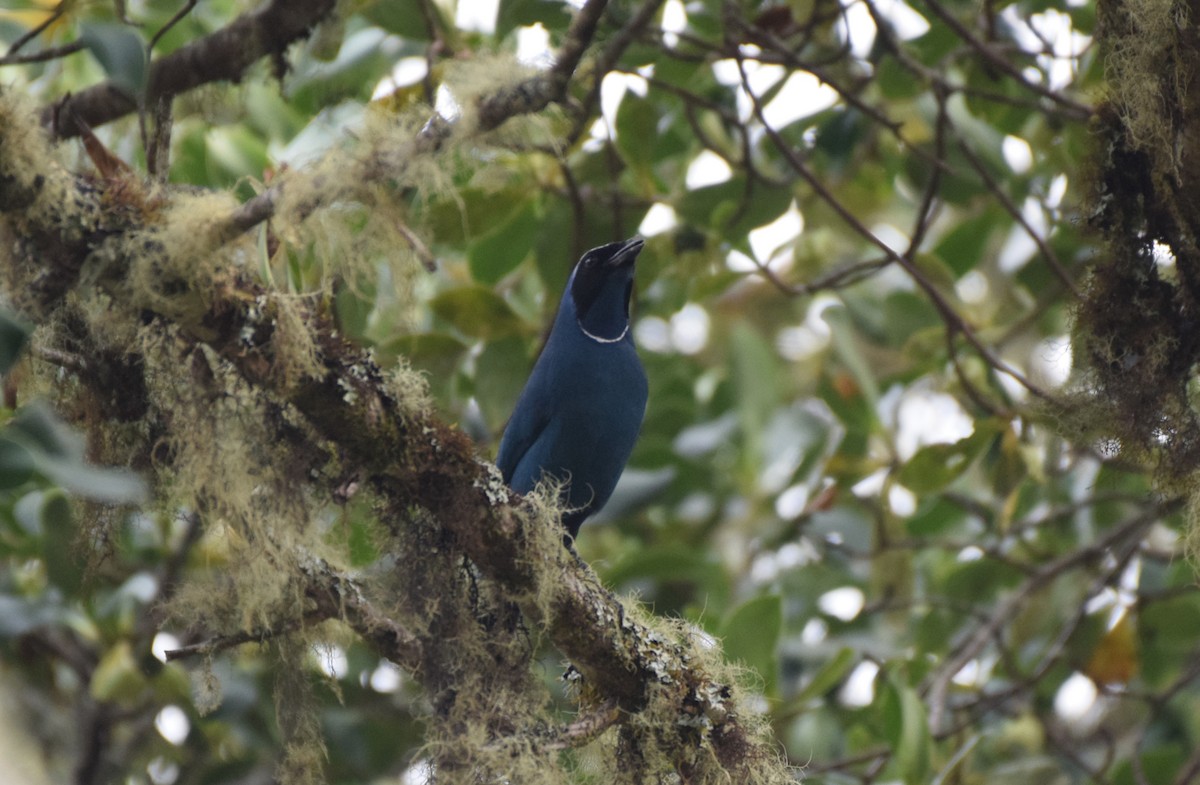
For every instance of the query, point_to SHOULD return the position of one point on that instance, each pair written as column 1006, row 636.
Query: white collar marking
column 598, row 339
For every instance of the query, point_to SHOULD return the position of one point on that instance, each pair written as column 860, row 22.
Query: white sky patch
column 386, row 678
column 332, row 660
column 798, row 554
column 533, row 46
column 1019, row 246
column 659, row 218
column 173, row 725
column 815, row 631
column 800, row 342
column 653, row 333
column 163, row 643
column 859, row 689
column 689, row 329
column 901, row 500
column 445, row 104
column 972, row 288
column 695, row 507
column 674, row 22
column 1075, row 698
column 726, row 72
column 792, row 501
column 1164, row 257
column 805, row 340
column 1131, row 578
column 764, row 568
column 871, row 485
column 612, row 91
column 1066, row 46
column 738, row 262
column 907, row 24
column 975, row 673
column 406, row 72
column 892, row 237
column 772, row 243
column 800, row 96
column 1017, row 154
column 1012, row 387
column 706, row 169
column 969, row 553
column 419, row 773
column 162, row 771
column 477, row 15
column 597, row 135
column 1050, row 363
column 857, row 27
column 843, row 603
column 1056, row 191
column 925, row 417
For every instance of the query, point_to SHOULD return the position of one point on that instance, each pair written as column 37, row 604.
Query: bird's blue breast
column 577, row 419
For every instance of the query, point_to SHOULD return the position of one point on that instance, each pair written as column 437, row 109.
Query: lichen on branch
column 259, row 414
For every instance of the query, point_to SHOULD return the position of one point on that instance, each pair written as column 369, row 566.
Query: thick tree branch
column 411, row 458
column 222, row 56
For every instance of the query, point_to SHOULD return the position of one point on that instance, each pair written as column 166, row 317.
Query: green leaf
column 111, row 486
column 756, row 378
column 233, row 153
column 828, row 677
column 637, row 131
column 405, row 18
column 979, row 579
column 500, row 372
column 896, row 81
column 935, row 466
column 730, row 209
column 58, row 539
column 500, row 251
column 364, row 58
column 14, row 333
column 120, row 51
column 16, row 464
column 670, row 564
column 907, row 731
column 963, row 247
column 117, row 677
column 38, row 428
column 751, row 636
column 57, row 452
column 477, row 312
column 520, row 13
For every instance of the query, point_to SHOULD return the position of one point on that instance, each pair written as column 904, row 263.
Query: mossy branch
column 135, row 246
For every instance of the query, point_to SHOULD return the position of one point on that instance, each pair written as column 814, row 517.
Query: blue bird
column 578, row 417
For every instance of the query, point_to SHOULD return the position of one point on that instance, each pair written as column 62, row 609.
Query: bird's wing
column 523, row 429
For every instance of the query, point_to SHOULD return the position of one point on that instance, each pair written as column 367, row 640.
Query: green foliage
column 858, row 472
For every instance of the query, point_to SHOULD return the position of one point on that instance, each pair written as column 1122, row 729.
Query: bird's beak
column 628, row 252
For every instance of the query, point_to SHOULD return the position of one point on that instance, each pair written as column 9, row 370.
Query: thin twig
column 945, row 310
column 1047, row 252
column 174, row 20
column 42, row 55
column 1003, row 64
column 54, row 16
column 939, row 683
